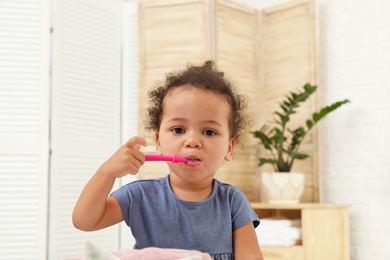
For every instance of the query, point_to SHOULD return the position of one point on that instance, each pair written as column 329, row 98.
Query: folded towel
column 281, row 222
column 279, row 232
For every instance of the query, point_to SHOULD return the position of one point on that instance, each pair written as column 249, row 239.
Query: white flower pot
column 283, row 187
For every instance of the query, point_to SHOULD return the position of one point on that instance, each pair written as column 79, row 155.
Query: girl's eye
column 178, row 130
column 209, row 132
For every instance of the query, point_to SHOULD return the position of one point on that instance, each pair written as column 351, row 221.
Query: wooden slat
column 236, row 52
column 289, row 60
column 171, row 34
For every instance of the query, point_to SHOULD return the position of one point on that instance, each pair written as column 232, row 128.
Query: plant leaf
column 282, row 144
column 263, row 161
column 264, row 139
column 309, row 124
column 299, row 156
column 297, row 137
column 317, row 116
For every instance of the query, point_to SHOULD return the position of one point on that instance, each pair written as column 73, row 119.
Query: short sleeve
column 124, row 198
column 242, row 211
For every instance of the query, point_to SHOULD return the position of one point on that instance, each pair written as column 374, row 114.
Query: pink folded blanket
column 93, row 252
column 154, row 253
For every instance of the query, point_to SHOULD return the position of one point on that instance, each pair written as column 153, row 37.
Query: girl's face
column 195, row 125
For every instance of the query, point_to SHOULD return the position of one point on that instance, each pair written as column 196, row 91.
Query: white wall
column 355, row 64
column 355, row 46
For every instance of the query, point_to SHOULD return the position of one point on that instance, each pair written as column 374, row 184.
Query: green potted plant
column 283, row 143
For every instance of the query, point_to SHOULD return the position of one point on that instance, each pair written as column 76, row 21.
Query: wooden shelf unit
column 325, row 231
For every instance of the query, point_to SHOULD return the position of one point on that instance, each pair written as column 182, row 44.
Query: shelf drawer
column 282, row 253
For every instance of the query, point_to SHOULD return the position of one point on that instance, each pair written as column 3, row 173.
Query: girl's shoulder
column 226, row 188
column 140, row 188
column 147, row 182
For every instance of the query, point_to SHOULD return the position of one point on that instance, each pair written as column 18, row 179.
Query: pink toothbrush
column 173, row 158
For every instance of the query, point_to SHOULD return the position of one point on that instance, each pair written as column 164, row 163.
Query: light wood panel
column 328, row 225
column 289, row 60
column 237, row 54
column 172, row 33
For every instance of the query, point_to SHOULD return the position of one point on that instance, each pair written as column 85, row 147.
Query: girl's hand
column 126, row 160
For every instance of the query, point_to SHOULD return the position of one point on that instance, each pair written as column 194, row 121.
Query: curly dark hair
column 205, row 77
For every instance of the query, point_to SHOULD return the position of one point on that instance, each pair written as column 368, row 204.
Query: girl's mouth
column 193, row 161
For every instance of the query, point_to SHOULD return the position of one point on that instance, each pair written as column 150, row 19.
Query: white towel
column 281, row 222
column 294, row 233
column 279, row 232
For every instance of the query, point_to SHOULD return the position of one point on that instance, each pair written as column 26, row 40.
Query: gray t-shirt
column 157, row 218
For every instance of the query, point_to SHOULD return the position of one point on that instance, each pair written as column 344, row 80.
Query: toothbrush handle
column 173, row 158
column 155, row 157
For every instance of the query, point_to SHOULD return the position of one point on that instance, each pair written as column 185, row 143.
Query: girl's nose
column 193, row 141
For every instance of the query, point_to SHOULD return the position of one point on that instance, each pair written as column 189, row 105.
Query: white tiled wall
column 355, row 64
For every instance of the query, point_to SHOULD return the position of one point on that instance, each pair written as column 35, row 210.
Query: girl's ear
column 158, row 146
column 230, row 151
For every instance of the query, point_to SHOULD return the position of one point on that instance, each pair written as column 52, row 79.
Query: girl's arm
column 246, row 246
column 94, row 209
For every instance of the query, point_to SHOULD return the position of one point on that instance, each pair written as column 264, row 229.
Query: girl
column 197, row 115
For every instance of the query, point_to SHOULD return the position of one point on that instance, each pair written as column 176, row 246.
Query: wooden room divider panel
column 171, row 33
column 289, row 59
column 237, row 53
